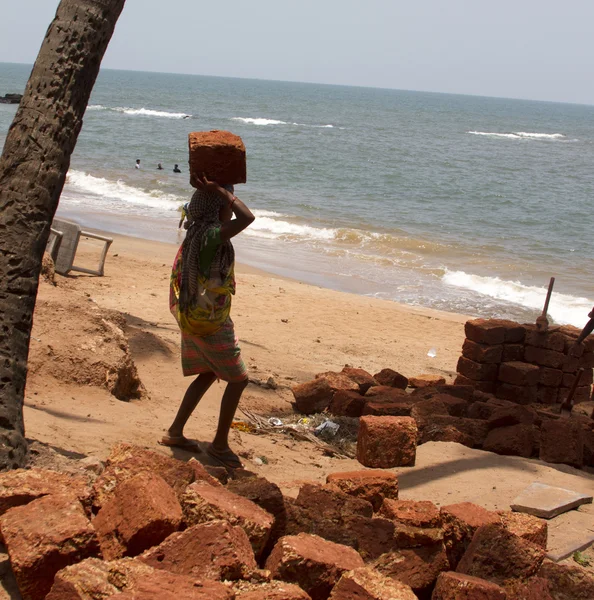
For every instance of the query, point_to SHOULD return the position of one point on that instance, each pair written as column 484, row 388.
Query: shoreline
column 140, row 247
column 279, row 271
column 287, row 328
column 343, row 269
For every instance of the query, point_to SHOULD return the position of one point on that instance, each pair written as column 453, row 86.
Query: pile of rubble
column 150, row 526
column 397, row 413
column 94, row 352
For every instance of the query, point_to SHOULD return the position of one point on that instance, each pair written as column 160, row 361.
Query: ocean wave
column 564, row 309
column 144, row 112
column 519, row 135
column 259, row 212
column 274, row 228
column 118, row 192
column 259, row 121
column 272, row 225
column 263, row 121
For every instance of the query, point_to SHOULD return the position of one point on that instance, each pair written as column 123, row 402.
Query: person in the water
column 176, row 169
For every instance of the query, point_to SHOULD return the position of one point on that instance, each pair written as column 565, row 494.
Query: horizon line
column 369, row 87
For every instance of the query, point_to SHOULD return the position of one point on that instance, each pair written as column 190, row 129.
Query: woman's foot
column 226, row 457
column 180, row 441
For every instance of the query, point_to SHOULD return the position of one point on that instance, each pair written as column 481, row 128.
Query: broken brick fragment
column 366, row 583
column 498, row 555
column 141, row 513
column 386, row 442
column 372, row 486
column 43, row 537
column 312, row 563
column 456, row 586
column 214, row 550
column 202, row 503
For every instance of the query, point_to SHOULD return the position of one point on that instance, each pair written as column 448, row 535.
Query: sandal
column 179, row 441
column 227, row 458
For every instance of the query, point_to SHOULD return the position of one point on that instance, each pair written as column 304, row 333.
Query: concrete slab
column 546, row 501
column 576, row 545
column 570, row 532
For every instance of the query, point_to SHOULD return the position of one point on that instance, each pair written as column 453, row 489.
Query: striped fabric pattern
column 218, row 353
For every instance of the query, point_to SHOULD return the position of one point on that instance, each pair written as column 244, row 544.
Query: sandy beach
column 287, row 330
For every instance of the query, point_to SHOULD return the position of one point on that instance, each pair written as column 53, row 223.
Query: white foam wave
column 258, row 212
column 518, row 135
column 538, row 136
column 117, row 192
column 274, row 228
column 564, row 309
column 259, row 121
column 144, row 112
column 263, row 121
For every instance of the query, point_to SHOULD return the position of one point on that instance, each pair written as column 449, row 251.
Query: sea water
column 460, row 203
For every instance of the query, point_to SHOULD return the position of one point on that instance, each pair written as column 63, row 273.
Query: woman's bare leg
column 229, row 405
column 192, row 397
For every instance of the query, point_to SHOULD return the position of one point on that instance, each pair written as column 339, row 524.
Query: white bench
column 63, row 243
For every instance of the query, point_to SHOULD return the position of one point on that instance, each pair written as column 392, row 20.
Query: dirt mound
column 74, row 341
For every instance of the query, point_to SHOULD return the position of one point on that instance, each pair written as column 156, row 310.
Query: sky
column 532, row 49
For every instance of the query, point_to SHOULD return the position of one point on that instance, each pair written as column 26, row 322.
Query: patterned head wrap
column 204, row 210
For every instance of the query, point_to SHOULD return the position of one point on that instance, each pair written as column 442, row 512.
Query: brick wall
column 519, row 363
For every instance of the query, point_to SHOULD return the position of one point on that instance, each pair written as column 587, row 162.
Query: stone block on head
column 220, row 155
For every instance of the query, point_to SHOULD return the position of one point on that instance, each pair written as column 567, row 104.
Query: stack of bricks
column 519, row 363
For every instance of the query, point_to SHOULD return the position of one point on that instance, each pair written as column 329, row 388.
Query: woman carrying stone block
column 202, row 283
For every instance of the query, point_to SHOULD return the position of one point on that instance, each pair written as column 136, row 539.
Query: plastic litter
column 275, row 422
column 432, row 353
column 243, row 426
column 329, row 427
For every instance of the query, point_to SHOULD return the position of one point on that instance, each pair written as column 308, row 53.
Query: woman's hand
column 203, row 184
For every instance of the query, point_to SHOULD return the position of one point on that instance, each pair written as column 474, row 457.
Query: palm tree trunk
column 33, row 167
